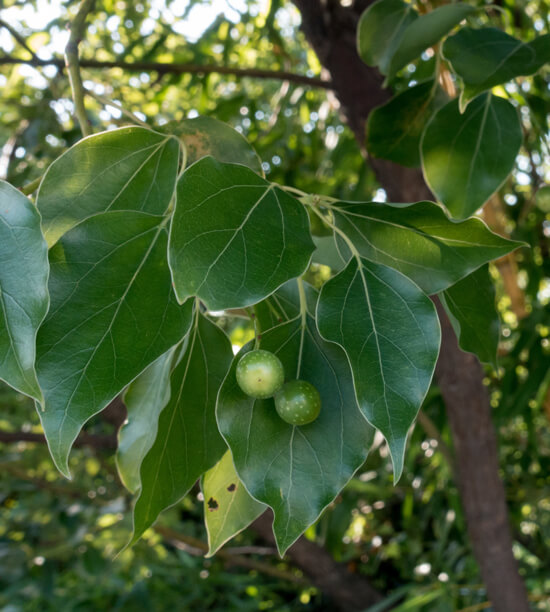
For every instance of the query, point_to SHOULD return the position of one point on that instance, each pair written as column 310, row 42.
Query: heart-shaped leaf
column 23, row 289
column 112, row 313
column 219, row 248
column 470, row 305
column 187, row 442
column 486, row 57
column 419, row 240
column 144, row 399
column 131, row 168
column 228, row 507
column 466, row 157
column 390, row 332
column 297, row 471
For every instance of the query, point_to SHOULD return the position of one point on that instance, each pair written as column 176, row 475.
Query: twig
column 119, row 107
column 18, row 38
column 73, row 66
column 84, row 439
column 169, row 68
column 429, row 427
column 193, row 545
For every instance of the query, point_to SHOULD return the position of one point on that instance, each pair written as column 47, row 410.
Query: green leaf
column 487, row 57
column 146, row 396
column 235, row 238
column 188, row 442
column 419, row 240
column 112, row 313
column 470, row 305
column 395, row 128
column 297, row 471
column 228, row 507
column 23, row 289
column 426, row 31
column 131, row 168
column 204, row 136
column 390, row 332
column 380, row 30
column 466, row 157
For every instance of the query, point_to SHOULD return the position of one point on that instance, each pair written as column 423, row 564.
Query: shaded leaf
column 228, row 507
column 187, row 442
column 395, row 128
column 466, row 157
column 144, row 399
column 112, row 314
column 426, row 31
column 419, row 240
column 204, row 136
column 131, row 168
column 487, row 57
column 390, row 332
column 23, row 289
column 470, row 305
column 235, row 238
column 297, row 471
column 380, row 30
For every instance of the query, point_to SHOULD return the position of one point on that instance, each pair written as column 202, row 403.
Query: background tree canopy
column 381, row 128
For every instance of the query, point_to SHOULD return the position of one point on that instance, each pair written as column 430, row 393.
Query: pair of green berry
column 260, row 374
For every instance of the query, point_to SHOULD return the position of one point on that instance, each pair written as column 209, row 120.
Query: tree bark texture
column 331, row 31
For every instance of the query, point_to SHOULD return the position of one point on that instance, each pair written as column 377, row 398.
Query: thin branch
column 169, row 68
column 119, row 107
column 197, row 547
column 430, row 428
column 73, row 66
column 18, row 38
column 84, row 439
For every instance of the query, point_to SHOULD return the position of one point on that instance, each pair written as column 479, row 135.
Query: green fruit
column 298, row 402
column 260, row 374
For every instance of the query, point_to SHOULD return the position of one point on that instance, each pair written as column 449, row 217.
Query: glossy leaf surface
column 296, row 470
column 23, row 289
column 470, row 305
column 235, row 238
column 228, row 507
column 419, row 240
column 131, row 168
column 112, row 314
column 390, row 332
column 466, row 157
column 188, row 442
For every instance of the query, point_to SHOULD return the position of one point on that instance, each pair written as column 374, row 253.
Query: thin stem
column 303, row 315
column 73, row 65
column 18, row 38
column 32, row 186
column 105, row 101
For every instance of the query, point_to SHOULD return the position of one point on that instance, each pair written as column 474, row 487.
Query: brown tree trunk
column 331, row 30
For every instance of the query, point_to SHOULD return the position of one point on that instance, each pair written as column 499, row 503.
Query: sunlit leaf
column 219, row 248
column 187, row 442
column 390, row 332
column 466, row 157
column 228, row 507
column 419, row 240
column 131, row 168
column 112, row 314
column 23, row 289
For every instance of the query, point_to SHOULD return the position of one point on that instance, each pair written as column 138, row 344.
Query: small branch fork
column 73, row 65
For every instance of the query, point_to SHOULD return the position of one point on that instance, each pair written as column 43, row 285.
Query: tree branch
column 84, row 439
column 169, row 68
column 17, row 37
column 73, row 66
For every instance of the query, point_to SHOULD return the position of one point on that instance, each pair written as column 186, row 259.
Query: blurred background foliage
column 58, row 539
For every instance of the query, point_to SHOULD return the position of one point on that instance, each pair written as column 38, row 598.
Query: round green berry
column 298, row 402
column 260, row 374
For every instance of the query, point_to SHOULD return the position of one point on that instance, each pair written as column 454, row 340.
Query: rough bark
column 330, row 29
column 348, row 591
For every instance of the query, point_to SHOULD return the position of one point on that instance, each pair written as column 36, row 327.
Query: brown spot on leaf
column 232, row 487
column 212, row 504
